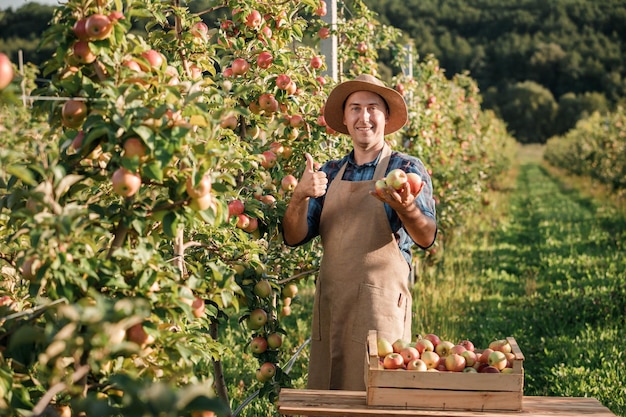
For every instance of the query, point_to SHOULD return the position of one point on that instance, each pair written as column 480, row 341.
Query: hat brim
column 333, row 109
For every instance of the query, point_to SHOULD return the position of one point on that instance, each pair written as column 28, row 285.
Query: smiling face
column 365, row 115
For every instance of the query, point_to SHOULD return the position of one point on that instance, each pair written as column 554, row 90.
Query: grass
column 544, row 262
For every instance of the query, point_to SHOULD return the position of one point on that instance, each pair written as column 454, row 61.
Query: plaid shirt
column 365, row 172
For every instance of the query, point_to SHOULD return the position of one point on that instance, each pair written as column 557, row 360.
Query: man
column 364, row 273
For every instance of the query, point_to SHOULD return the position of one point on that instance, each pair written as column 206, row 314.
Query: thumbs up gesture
column 313, row 183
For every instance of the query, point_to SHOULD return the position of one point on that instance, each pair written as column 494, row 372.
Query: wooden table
column 352, row 403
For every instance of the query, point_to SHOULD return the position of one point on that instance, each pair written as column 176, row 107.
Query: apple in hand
column 396, row 179
column 393, row 360
column 415, row 182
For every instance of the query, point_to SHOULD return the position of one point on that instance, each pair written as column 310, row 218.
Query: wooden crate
column 443, row 390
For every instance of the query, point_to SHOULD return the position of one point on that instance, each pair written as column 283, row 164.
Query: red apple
column 125, row 183
column 268, row 103
column 484, row 356
column 417, row 365
column 409, row 353
column 240, row 66
column 283, row 81
column 274, row 340
column 423, row 345
column 324, row 33
column 138, row 335
column 155, row 59
column 134, row 147
column 430, row 358
column 257, row 319
column 393, row 360
column 253, row 225
column 79, row 29
column 199, row 30
column 398, row 345
column 362, row 48
column 202, row 188
column 321, row 9
column 116, row 15
column 467, row 344
column 489, row 370
column 269, row 159
column 243, row 221
column 433, row 338
column 316, row 62
column 83, row 53
column 98, row 26
column 458, row 349
column 264, row 60
column 268, row 370
column 263, row 288
column 470, row 357
column 380, row 187
column 73, row 113
column 396, row 179
column 258, row 345
column 415, row 182
column 235, row 208
column 501, row 345
column 254, row 19
column 6, row 71
column 444, row 347
column 455, row 362
column 198, row 307
column 288, row 183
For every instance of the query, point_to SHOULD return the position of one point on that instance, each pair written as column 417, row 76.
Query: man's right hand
column 313, row 183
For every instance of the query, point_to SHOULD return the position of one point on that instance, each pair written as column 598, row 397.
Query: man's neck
column 363, row 156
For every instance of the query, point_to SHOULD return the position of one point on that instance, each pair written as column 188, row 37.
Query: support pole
column 329, row 45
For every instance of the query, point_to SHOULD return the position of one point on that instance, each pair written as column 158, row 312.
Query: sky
column 16, row 4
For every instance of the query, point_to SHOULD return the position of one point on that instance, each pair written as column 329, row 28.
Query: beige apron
column 362, row 285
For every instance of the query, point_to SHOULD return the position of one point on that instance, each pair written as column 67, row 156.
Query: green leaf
column 22, row 173
column 170, row 224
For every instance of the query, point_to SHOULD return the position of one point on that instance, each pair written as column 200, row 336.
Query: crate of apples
column 431, row 373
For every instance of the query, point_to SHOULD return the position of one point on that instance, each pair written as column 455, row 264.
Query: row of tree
column 542, row 65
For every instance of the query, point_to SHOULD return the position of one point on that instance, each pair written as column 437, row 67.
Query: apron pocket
column 380, row 309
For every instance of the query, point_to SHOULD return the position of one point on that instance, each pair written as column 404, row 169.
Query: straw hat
column 333, row 110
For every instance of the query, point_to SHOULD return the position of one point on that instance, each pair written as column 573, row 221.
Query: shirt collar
column 352, row 162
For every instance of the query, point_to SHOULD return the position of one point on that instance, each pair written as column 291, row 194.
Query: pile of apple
column 430, row 353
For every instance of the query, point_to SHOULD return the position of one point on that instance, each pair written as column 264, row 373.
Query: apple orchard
column 141, row 201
